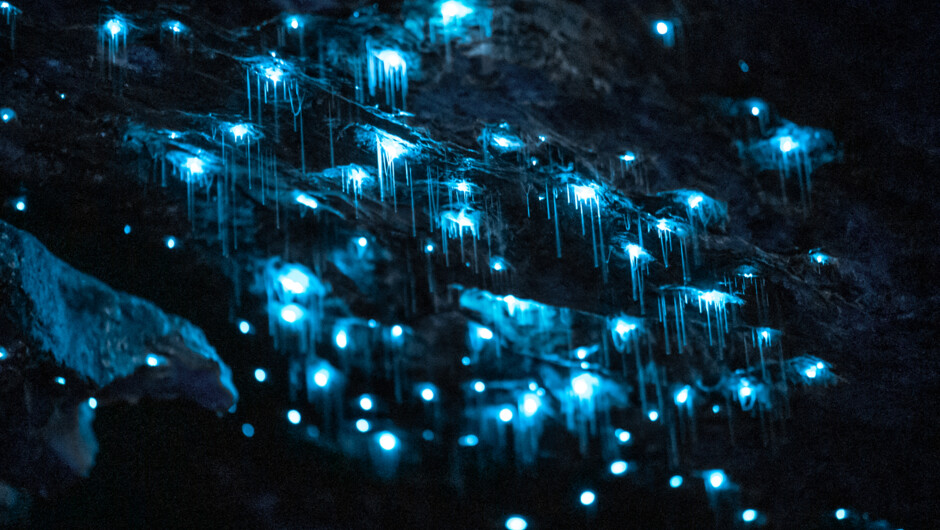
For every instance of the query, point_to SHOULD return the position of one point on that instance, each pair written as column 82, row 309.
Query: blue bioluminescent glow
column 787, row 144
column 629, row 156
column 505, row 415
column 244, row 327
column 452, row 10
column 7, row 115
column 92, row 403
column 362, row 242
column 292, row 313
column 682, row 396
column 293, row 416
column 484, row 333
column 114, row 26
column 662, row 28
column 531, row 403
column 429, row 248
column 749, row 515
column 675, row 481
column 427, row 392
column 362, row 425
column 341, row 339
column 322, row 377
column 584, row 385
column 743, row 66
column 622, row 436
column 260, row 375
column 294, row 22
column 587, row 497
column 294, row 280
column 716, row 479
column 427, row 435
column 694, row 201
column 479, row 386
column 127, row 229
column 465, row 361
column 716, row 409
column 20, row 205
column 397, row 331
column 516, row 522
column 497, row 264
column 170, row 242
column 365, row 402
column 841, row 513
column 239, row 131
column 819, row 258
column 618, row 467
column 388, row 68
column 3, row 353
column 755, row 111
column 155, row 360
column 665, row 29
column 653, row 415
column 469, row 440
column 387, row 441
column 248, row 430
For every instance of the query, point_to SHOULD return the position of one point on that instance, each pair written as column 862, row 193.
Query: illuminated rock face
column 105, row 336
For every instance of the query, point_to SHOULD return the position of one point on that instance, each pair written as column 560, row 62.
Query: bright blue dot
column 260, row 375
column 755, row 111
column 653, row 415
column 428, row 435
column 662, row 28
column 429, row 248
column 60, row 380
column 362, row 425
column 127, row 229
column 7, row 115
column 3, row 353
column 92, row 403
column 716, row 479
column 505, row 415
column 465, row 361
column 152, row 360
column 322, row 377
column 622, row 435
column 293, row 416
column 21, row 206
column 291, row 313
column 744, row 67
column 484, row 333
column 748, row 515
column 516, row 522
column 479, row 386
column 363, row 242
column 62, row 95
column 341, row 339
column 397, row 331
column 469, row 440
column 427, row 394
column 170, row 242
column 248, row 430
column 841, row 514
column 387, row 441
column 365, row 403
column 244, row 327
column 675, row 481
column 715, row 409
column 618, row 468
column 682, row 396
column 588, row 497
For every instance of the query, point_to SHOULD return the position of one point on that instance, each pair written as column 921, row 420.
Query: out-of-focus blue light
column 469, row 440
column 484, row 333
column 362, row 425
column 170, row 242
column 362, row 242
column 260, row 375
column 749, row 515
column 622, row 436
column 841, row 513
column 675, row 481
column 248, row 430
column 531, row 404
column 662, row 27
column 293, row 416
column 516, row 522
column 92, row 403
column 244, row 327
column 387, row 441
column 588, row 497
column 127, row 229
column 7, row 114
column 682, row 396
column 365, row 402
column 715, row 409
column 465, row 361
column 291, row 313
column 653, row 415
column 341, row 339
column 322, row 377
column 427, row 394
column 20, row 205
column 114, row 26
column 153, row 360
column 618, row 467
column 479, row 386
column 60, row 380
column 505, row 415
column 716, row 479
column 583, row 385
column 397, row 331
column 306, row 200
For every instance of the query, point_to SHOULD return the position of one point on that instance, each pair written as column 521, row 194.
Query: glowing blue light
column 484, row 333
column 153, row 360
column 429, row 248
column 465, row 361
column 365, row 402
column 469, row 440
column 274, row 73
column 841, row 514
column 743, row 66
column 291, row 313
column 662, row 27
column 306, row 200
column 397, row 331
column 716, row 479
column 749, row 516
column 92, row 403
column 497, row 264
column 176, row 27
column 653, row 415
column 238, row 131
column 60, row 380
column 170, row 242
column 629, row 156
column 114, row 26
column 427, row 394
column 622, row 436
column 581, row 353
column 127, row 229
column 675, row 481
column 391, row 59
column 6, row 115
column 4, row 5
column 293, row 416
column 294, row 22
column 387, row 441
column 755, row 111
column 244, row 327
column 322, row 377
column 618, row 467
column 427, row 435
column 20, row 205
column 744, row 391
column 531, row 404
column 341, row 339
column 818, row 257
column 454, row 10
column 362, row 242
column 479, row 386
column 811, row 372
column 715, row 409
column 3, row 353
column 516, row 522
column 362, row 425
column 787, row 144
column 588, row 497
column 248, row 430
column 682, row 396
column 505, row 415
column 260, row 375
column 194, row 165
column 583, row 385
column 695, row 200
